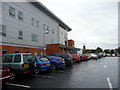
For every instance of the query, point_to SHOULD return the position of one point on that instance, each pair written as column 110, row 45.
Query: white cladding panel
column 13, row 25
column 63, row 36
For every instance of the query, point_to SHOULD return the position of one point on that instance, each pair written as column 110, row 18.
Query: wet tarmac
column 101, row 73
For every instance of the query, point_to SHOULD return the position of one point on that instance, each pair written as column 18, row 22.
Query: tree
column 107, row 51
column 112, row 52
column 98, row 50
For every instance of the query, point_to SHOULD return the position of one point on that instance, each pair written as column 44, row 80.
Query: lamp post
column 46, row 32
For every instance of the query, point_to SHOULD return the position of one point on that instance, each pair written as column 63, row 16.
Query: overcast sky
column 93, row 22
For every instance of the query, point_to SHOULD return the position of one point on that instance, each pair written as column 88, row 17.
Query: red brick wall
column 54, row 48
column 11, row 49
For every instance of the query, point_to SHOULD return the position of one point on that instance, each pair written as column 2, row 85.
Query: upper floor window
column 12, row 12
column 33, row 22
column 37, row 23
column 44, row 27
column 34, row 37
column 48, row 28
column 3, row 30
column 20, row 15
column 20, row 36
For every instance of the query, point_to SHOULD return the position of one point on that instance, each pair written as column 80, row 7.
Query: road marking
column 18, row 85
column 5, row 77
column 109, row 84
column 42, row 76
column 105, row 66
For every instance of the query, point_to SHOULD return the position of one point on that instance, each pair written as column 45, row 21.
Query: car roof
column 18, row 54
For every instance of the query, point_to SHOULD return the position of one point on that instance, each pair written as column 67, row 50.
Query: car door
column 7, row 61
column 17, row 61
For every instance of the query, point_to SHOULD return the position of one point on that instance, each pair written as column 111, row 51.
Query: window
column 20, row 36
column 48, row 28
column 3, row 30
column 17, row 51
column 8, row 58
column 20, row 15
column 34, row 37
column 53, row 31
column 12, row 12
column 27, row 51
column 35, row 53
column 17, row 58
column 44, row 27
column 65, row 42
column 4, row 52
column 26, row 58
column 43, row 59
column 33, row 22
column 41, row 53
column 37, row 23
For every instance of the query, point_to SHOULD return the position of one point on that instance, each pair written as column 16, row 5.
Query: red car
column 5, row 75
column 83, row 57
column 75, row 58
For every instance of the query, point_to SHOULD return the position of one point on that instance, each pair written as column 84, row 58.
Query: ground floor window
column 17, row 51
column 4, row 52
column 35, row 53
column 27, row 51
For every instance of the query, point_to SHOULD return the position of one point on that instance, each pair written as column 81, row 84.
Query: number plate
column 48, row 64
column 26, row 65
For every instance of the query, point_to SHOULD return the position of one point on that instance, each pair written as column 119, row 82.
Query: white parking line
column 18, row 85
column 42, row 76
column 109, row 83
column 105, row 66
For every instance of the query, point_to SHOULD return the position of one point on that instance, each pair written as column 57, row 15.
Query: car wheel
column 53, row 67
column 35, row 64
column 74, row 61
column 13, row 75
column 37, row 71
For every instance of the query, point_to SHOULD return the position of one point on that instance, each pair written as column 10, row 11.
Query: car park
column 5, row 75
column 43, row 64
column 56, row 62
column 18, row 63
column 75, row 58
column 67, row 57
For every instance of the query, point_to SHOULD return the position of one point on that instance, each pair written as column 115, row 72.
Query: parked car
column 5, row 75
column 83, row 57
column 67, row 57
column 18, row 63
column 89, row 56
column 56, row 62
column 93, row 56
column 76, row 58
column 43, row 64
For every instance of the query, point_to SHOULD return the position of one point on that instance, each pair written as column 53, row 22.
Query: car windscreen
column 43, row 59
column 26, row 58
column 58, row 57
column 69, row 55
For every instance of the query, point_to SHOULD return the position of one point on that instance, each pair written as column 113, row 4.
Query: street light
column 46, row 32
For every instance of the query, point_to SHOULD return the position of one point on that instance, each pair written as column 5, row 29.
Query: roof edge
column 52, row 15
